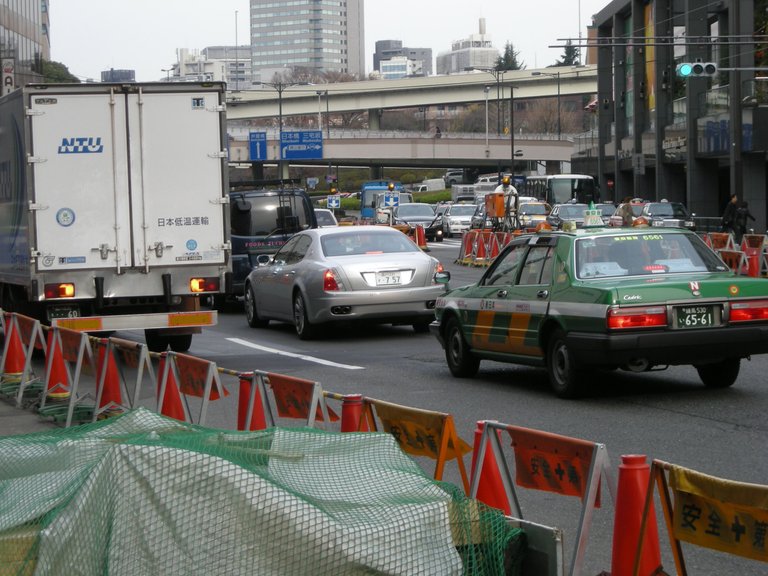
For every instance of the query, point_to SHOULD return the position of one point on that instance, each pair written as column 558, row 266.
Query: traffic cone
column 56, row 377
column 421, row 238
column 14, row 359
column 170, row 403
column 467, row 244
column 634, row 475
column 111, row 398
column 258, row 421
column 352, row 414
column 480, row 251
column 490, row 489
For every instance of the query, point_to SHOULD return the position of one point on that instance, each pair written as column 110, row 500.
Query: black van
column 261, row 221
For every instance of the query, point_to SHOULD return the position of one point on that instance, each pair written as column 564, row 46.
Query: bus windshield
column 565, row 188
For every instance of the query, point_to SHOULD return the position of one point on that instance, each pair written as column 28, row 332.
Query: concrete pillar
column 374, row 119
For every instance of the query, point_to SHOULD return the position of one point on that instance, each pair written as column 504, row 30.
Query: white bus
column 559, row 188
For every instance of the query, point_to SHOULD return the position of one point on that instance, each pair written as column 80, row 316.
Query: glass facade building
column 24, row 41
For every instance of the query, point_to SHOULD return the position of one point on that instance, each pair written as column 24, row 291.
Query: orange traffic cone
column 56, row 377
column 352, row 414
column 490, row 489
column 480, row 252
column 258, row 421
column 634, row 474
column 110, row 395
column 14, row 359
column 421, row 238
column 170, row 403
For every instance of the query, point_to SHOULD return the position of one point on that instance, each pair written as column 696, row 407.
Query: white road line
column 292, row 355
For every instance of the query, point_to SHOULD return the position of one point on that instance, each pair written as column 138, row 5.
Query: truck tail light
column 198, row 285
column 749, row 311
column 629, row 318
column 63, row 290
column 331, row 281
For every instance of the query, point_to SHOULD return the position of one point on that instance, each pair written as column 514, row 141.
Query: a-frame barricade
column 116, row 354
column 183, row 376
column 549, row 462
column 76, row 351
column 720, row 241
column 291, row 398
column 736, row 260
column 421, row 433
column 709, row 512
column 30, row 334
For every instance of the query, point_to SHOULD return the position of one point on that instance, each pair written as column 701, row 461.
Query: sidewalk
column 15, row 420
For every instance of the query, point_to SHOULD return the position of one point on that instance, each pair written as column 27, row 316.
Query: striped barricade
column 22, row 336
column 181, row 376
column 736, row 260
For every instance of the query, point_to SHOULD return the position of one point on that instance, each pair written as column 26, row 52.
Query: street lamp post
column 557, row 76
column 486, row 90
column 167, row 73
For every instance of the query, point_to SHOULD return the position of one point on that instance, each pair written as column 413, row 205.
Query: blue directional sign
column 334, row 201
column 257, row 145
column 301, row 145
column 392, row 199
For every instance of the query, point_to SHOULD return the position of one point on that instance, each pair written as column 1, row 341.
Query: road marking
column 292, row 355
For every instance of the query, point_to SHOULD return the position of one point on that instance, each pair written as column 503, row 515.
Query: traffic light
column 696, row 69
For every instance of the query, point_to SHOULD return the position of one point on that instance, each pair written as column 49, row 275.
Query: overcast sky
column 89, row 36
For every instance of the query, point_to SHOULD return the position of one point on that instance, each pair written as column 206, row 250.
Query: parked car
column 531, row 214
column 607, row 209
column 566, row 212
column 414, row 213
column 598, row 298
column 325, row 217
column 626, row 212
column 457, row 218
column 668, row 214
column 328, row 275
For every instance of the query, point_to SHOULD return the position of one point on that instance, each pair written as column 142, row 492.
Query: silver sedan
column 326, row 275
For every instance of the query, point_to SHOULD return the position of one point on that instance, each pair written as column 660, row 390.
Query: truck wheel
column 561, row 367
column 251, row 313
column 461, row 362
column 156, row 342
column 304, row 329
column 180, row 342
column 721, row 374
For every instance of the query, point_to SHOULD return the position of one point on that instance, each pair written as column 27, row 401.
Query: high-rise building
column 317, row 35
column 420, row 58
column 24, row 42
column 474, row 52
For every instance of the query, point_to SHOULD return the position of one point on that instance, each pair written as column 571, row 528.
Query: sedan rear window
column 351, row 243
column 644, row 254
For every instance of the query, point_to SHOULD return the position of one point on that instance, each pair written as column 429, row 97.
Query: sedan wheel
column 304, row 329
column 461, row 362
column 561, row 367
column 251, row 313
column 720, row 375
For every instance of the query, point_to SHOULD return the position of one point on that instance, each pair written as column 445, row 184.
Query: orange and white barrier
column 182, row 376
column 22, row 336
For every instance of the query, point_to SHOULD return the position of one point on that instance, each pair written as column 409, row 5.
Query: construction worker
column 510, row 202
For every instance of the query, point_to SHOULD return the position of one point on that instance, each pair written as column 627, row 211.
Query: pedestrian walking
column 741, row 215
column 729, row 214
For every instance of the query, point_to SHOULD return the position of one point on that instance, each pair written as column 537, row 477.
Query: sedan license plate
column 696, row 317
column 387, row 278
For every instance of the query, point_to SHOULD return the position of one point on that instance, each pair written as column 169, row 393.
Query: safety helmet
column 506, row 180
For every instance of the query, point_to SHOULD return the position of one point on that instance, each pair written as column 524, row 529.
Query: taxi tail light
column 331, row 281
column 62, row 290
column 198, row 285
column 628, row 318
column 749, row 311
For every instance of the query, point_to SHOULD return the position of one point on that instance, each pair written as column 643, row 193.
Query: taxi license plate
column 696, row 317
column 387, row 278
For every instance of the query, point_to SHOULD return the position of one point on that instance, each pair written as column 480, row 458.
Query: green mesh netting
column 143, row 494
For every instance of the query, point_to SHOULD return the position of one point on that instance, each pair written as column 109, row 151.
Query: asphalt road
column 667, row 415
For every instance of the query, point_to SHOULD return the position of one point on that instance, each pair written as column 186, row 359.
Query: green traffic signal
column 689, row 69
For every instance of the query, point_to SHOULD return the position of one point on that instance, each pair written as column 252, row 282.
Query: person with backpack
column 729, row 214
column 741, row 214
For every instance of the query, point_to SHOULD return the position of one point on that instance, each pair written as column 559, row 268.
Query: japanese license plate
column 696, row 317
column 387, row 278
column 63, row 312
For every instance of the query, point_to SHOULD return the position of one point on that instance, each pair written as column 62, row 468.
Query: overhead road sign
column 334, row 201
column 257, row 146
column 301, row 145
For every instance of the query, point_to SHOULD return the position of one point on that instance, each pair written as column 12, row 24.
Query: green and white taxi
column 586, row 299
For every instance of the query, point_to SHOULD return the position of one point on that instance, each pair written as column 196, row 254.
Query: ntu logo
column 81, row 145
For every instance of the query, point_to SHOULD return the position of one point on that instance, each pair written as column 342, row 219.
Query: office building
column 236, row 62
column 315, row 35
column 420, row 58
column 113, row 75
column 24, row 42
column 694, row 139
column 473, row 52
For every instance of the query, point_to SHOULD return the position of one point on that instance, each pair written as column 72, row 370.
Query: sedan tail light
column 630, row 318
column 749, row 311
column 331, row 281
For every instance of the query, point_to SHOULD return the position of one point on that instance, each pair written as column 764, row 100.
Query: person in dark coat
column 729, row 214
column 741, row 215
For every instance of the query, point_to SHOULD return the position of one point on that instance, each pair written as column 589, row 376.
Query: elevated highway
column 373, row 147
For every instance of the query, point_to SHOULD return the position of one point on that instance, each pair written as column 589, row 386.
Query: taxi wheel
column 251, row 313
column 561, row 367
column 461, row 362
column 304, row 329
column 720, row 375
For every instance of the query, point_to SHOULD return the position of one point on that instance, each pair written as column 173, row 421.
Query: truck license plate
column 63, row 312
column 696, row 317
column 387, row 278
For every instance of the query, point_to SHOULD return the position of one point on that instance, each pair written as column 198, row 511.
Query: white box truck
column 113, row 208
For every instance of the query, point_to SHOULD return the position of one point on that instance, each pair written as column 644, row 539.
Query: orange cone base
column 58, row 396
